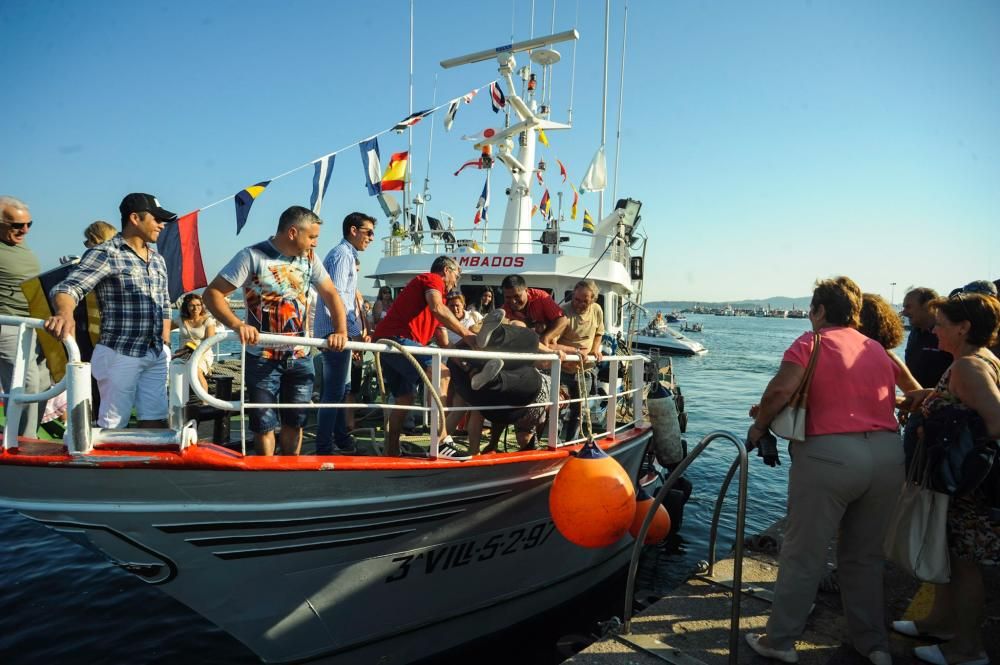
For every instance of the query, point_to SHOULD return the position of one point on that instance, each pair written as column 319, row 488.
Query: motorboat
column 665, row 340
column 354, row 559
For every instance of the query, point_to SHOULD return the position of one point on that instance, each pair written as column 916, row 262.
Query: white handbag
column 917, row 539
column 790, row 423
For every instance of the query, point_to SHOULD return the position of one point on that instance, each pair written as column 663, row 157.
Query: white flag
column 449, row 116
column 596, row 177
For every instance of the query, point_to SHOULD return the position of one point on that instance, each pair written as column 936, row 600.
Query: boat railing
column 184, row 379
column 15, row 398
column 471, row 241
column 740, row 464
column 81, row 437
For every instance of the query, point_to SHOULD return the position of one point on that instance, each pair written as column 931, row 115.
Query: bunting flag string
column 596, row 177
column 244, row 200
column 497, row 98
column 588, row 222
column 576, row 199
column 372, row 165
column 411, row 120
column 562, row 172
column 180, row 248
column 482, row 206
column 321, row 181
column 449, row 116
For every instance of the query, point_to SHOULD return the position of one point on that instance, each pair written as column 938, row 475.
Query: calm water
column 60, row 603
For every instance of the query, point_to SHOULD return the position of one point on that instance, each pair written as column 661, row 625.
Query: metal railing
column 739, row 463
column 16, row 398
column 438, row 357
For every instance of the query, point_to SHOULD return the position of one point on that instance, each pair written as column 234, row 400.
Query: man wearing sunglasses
column 341, row 263
column 17, row 264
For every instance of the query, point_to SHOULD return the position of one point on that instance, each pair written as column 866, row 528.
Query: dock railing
column 81, row 437
column 741, row 464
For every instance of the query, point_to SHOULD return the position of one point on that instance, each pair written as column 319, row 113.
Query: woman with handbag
column 847, row 471
column 966, row 324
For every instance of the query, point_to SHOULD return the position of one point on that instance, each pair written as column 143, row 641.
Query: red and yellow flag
column 395, row 173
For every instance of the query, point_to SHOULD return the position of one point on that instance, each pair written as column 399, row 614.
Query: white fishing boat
column 350, row 558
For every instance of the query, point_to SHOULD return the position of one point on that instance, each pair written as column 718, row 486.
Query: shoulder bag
column 916, row 539
column 790, row 423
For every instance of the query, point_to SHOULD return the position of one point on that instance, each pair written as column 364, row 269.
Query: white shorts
column 126, row 382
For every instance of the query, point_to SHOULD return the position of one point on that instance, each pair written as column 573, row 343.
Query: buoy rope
column 581, row 382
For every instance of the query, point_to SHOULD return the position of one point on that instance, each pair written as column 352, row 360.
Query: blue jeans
column 331, row 424
column 286, row 381
column 401, row 377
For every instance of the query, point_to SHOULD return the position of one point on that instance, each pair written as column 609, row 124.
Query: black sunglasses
column 368, row 232
column 961, row 299
column 19, row 226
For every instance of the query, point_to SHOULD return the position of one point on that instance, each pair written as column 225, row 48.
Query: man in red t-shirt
column 415, row 314
column 534, row 307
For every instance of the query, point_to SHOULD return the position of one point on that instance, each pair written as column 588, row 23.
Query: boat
column 663, row 339
column 676, row 318
column 351, row 558
column 692, row 327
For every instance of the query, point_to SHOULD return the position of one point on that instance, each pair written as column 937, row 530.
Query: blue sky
column 770, row 143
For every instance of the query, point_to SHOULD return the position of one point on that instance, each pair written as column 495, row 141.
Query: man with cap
column 130, row 360
column 17, row 263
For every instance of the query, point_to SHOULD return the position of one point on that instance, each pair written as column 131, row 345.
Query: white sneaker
column 932, row 654
column 784, row 655
column 489, row 324
column 489, row 372
column 447, row 450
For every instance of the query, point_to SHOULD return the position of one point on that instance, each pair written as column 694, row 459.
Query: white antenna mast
column 621, row 102
column 604, row 98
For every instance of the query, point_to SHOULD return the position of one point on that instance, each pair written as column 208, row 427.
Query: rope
column 581, row 382
column 431, row 389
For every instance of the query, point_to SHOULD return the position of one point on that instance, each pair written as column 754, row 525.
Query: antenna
column 527, row 45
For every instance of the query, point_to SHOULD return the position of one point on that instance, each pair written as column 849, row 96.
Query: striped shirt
column 132, row 295
column 341, row 263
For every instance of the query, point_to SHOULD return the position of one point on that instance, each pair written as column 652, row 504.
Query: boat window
column 614, row 306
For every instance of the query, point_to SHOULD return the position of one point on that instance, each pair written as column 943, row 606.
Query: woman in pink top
column 845, row 476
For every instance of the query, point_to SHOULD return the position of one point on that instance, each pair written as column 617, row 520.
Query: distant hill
column 777, row 302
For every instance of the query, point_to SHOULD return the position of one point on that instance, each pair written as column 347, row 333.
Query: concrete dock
column 691, row 625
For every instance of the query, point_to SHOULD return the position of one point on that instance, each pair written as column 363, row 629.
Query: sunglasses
column 19, row 226
column 960, row 297
column 368, row 232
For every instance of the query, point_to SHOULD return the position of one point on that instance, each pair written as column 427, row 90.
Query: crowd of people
column 846, row 475
column 288, row 291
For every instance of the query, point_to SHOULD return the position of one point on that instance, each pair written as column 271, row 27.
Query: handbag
column 790, row 423
column 916, row 539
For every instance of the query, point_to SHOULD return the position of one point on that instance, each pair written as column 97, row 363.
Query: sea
column 60, row 603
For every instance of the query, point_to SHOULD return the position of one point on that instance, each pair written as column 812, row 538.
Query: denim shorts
column 286, row 381
column 401, row 377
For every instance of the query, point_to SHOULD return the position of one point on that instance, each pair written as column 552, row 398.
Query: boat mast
column 409, row 135
column 516, row 234
column 604, row 98
column 621, row 103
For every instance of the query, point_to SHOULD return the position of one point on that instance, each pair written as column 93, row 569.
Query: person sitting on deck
column 276, row 275
column 196, row 325
column 412, row 320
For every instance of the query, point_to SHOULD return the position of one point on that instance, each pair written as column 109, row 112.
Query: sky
column 771, row 144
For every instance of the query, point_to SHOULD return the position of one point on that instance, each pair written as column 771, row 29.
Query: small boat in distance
column 660, row 337
column 691, row 327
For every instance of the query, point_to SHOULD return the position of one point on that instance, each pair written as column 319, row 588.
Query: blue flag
column 321, row 180
column 373, row 166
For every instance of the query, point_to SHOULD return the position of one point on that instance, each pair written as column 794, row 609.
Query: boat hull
column 347, row 565
column 668, row 344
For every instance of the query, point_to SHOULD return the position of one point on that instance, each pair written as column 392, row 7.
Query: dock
column 690, row 626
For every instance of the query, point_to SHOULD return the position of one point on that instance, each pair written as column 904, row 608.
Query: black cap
column 145, row 203
column 985, row 287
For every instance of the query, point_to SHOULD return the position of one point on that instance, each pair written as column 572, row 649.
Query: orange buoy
column 660, row 526
column 592, row 500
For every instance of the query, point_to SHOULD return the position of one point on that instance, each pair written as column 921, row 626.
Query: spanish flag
column 87, row 316
column 395, row 173
column 244, row 200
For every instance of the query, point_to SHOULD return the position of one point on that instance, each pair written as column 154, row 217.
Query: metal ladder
column 646, row 642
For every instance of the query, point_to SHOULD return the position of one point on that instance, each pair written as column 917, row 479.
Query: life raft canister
column 667, row 444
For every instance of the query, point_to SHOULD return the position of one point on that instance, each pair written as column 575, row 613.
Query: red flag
column 178, row 244
column 562, row 170
column 478, row 163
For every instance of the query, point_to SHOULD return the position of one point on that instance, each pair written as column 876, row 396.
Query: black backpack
column 960, row 453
